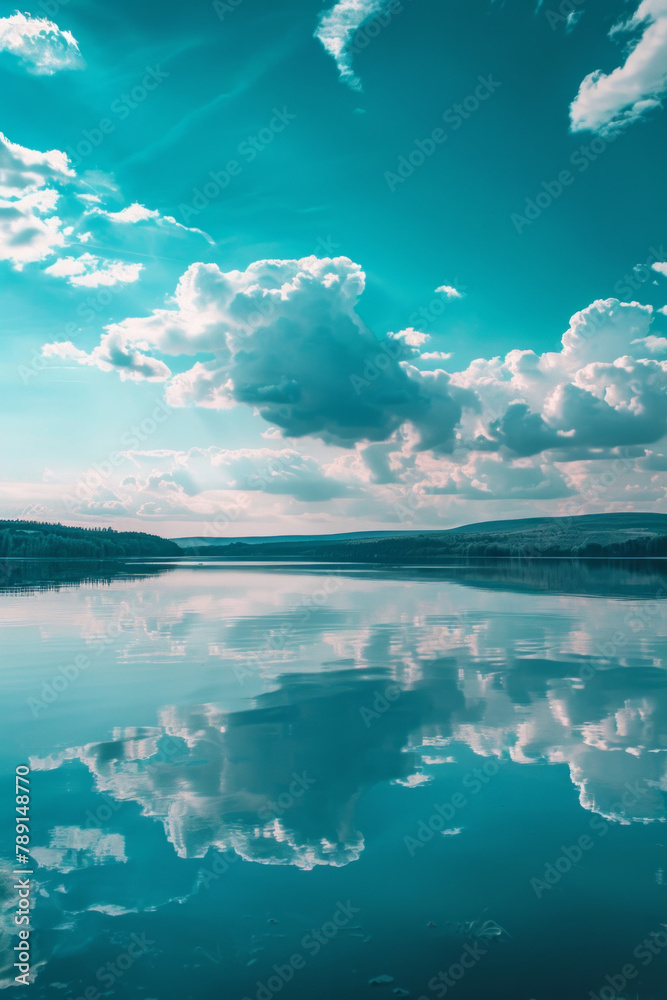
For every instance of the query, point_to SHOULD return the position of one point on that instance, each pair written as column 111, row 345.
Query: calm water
column 255, row 782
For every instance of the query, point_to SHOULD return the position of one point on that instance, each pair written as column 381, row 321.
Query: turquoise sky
column 491, row 168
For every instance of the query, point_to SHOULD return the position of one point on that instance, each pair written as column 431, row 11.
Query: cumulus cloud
column 607, row 102
column 30, row 229
column 112, row 353
column 90, row 271
column 337, row 28
column 286, row 339
column 600, row 391
column 45, row 206
column 42, row 47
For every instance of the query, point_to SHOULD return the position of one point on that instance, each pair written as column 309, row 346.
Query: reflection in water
column 31, row 575
column 279, row 783
column 241, row 755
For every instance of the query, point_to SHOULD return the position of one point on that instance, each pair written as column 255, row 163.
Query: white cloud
column 23, row 169
column 90, row 271
column 286, row 339
column 30, row 229
column 660, row 267
column 41, row 45
column 337, row 28
column 450, row 292
column 45, row 206
column 491, row 477
column 112, row 353
column 135, row 213
column 279, row 471
column 609, row 101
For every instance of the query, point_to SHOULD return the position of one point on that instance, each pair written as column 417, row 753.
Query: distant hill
column 203, row 541
column 38, row 539
column 588, row 535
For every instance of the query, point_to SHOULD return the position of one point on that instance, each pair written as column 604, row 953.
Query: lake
column 325, row 781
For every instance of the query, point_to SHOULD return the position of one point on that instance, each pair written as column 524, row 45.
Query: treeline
column 40, row 540
column 418, row 548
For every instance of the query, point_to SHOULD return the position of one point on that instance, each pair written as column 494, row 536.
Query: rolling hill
column 631, row 535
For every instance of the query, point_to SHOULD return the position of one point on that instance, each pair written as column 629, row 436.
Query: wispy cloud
column 337, row 28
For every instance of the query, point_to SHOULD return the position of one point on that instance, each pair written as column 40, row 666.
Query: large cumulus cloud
column 285, row 337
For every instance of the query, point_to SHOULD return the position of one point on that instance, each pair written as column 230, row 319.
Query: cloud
column 607, row 102
column 337, row 28
column 267, row 470
column 30, row 229
column 285, row 339
column 491, row 477
column 45, row 206
column 112, row 353
column 450, row 292
column 23, row 169
column 136, row 213
column 599, row 391
column 90, row 271
column 42, row 47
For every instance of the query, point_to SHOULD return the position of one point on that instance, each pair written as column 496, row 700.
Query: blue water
column 263, row 781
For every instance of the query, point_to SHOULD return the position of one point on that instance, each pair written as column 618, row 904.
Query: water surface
column 294, row 780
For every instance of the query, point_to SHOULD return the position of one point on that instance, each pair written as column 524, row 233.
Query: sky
column 309, row 268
